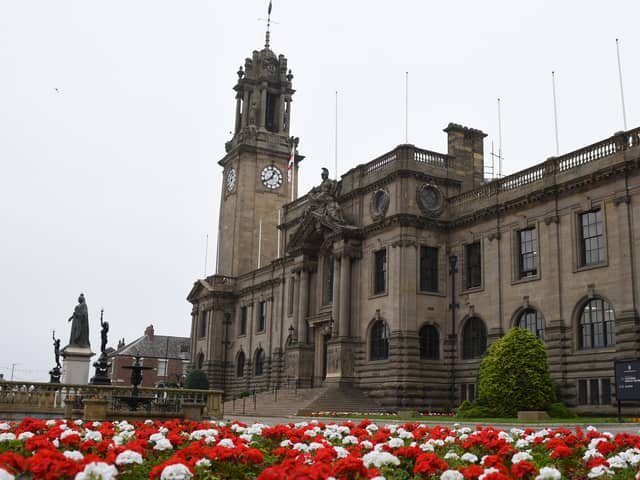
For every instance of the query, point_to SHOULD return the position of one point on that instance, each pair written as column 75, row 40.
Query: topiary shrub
column 197, row 379
column 514, row 375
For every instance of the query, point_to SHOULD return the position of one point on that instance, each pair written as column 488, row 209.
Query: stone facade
column 355, row 288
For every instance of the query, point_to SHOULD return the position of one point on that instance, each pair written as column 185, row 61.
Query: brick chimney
column 467, row 145
column 149, row 332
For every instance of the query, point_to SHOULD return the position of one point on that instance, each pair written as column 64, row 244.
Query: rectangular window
column 594, row 392
column 463, row 392
column 428, row 269
column 328, row 275
column 262, row 316
column 582, row 392
column 472, row 392
column 605, row 389
column 162, row 367
column 380, row 272
column 243, row 321
column 473, row 265
column 591, row 238
column 528, row 252
column 202, row 325
column 292, row 289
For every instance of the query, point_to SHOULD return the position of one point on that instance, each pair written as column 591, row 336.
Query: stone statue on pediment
column 323, row 202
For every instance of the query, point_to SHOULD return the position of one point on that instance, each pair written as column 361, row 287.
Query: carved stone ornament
column 379, row 204
column 430, row 199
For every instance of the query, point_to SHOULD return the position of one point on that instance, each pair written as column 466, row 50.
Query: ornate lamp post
column 453, row 260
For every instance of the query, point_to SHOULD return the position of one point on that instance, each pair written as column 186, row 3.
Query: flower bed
column 59, row 449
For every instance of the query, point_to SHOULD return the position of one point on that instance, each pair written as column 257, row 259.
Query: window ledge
column 260, row 332
column 473, row 289
column 377, row 295
column 431, row 294
column 530, row 278
column 583, row 268
column 591, row 351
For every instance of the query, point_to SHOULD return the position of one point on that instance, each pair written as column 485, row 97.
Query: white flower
column 148, row 421
column 49, row 423
column 200, row 434
column 4, row 475
column 549, row 473
column 599, row 471
column 341, row 452
column 68, row 433
column 379, row 458
column 98, row 471
column 451, row 475
column 379, row 477
column 7, row 437
column 226, row 442
column 427, row 447
column 93, row 435
column 78, row 422
column 450, row 455
column 25, row 435
column 617, row 461
column 156, row 437
column 163, row 430
column 246, row 436
column 395, row 442
column 56, row 443
column 631, row 456
column 129, row 456
column 315, row 446
column 522, row 443
column 177, row 471
column 366, row 444
column 74, row 455
column 488, row 471
column 469, row 457
column 402, row 433
column 349, row 440
column 203, row 462
column 301, row 447
column 163, row 444
column 285, row 443
column 520, row 457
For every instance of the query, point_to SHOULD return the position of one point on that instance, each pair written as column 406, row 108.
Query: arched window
column 379, row 344
column 429, row 343
column 240, row 365
column 200, row 361
column 259, row 362
column 533, row 321
column 597, row 325
column 474, row 338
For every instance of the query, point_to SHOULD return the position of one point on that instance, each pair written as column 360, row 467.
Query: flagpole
column 499, row 140
column 206, row 251
column 406, row 108
column 624, row 113
column 336, row 152
column 555, row 110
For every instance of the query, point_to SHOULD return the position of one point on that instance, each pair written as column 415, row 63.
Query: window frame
column 428, row 343
column 469, row 351
column 261, row 320
column 539, row 319
column 242, row 324
column 240, row 371
column 259, row 360
column 583, row 261
column 202, row 324
column 469, row 269
column 379, row 347
column 382, row 276
column 428, row 271
column 608, row 325
column 533, row 255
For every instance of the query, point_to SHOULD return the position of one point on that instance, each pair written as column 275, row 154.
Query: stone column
column 238, row 112
column 245, row 113
column 303, row 307
column 263, row 105
column 296, row 305
column 345, row 296
column 335, row 304
column 287, row 115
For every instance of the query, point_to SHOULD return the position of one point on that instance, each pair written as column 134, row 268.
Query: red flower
column 561, row 451
column 429, row 463
column 523, row 470
column 472, row 471
column 350, row 468
column 605, row 447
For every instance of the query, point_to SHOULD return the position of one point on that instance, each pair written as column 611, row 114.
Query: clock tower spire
column 255, row 183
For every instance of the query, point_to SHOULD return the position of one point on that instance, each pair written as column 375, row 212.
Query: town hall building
column 395, row 278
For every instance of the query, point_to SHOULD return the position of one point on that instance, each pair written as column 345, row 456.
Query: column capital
column 347, row 248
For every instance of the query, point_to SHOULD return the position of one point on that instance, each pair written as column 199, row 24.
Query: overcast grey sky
column 113, row 115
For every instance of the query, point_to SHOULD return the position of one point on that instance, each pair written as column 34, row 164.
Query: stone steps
column 304, row 402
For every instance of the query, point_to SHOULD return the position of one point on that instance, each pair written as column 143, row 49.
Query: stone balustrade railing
column 618, row 143
column 413, row 154
column 37, row 398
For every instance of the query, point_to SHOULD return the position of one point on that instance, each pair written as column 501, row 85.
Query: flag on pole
column 292, row 157
column 269, row 10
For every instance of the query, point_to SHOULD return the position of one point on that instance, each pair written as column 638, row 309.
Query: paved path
column 633, row 428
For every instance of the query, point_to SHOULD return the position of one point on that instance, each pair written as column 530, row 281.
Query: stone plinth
column 192, row 411
column 340, row 364
column 76, row 364
column 95, row 409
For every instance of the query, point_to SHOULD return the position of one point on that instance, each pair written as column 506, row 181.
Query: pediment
column 200, row 289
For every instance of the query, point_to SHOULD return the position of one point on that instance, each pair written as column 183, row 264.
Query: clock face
column 231, row 180
column 271, row 177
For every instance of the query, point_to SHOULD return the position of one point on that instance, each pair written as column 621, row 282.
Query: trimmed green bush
column 197, row 379
column 560, row 410
column 514, row 375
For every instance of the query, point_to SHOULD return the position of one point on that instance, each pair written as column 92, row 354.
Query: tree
column 514, row 375
column 197, row 379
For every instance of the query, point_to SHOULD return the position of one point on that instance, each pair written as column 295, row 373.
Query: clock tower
column 255, row 182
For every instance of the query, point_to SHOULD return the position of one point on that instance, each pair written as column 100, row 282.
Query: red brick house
column 167, row 356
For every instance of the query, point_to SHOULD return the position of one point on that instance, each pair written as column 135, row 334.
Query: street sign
column 627, row 380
